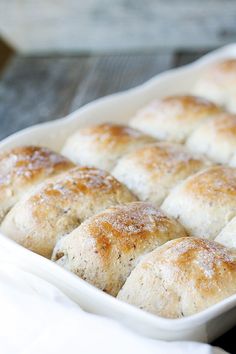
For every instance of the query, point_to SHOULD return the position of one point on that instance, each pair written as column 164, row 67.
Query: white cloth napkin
column 37, row 318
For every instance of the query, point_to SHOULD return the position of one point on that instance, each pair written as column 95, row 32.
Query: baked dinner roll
column 215, row 138
column 150, row 172
column 105, row 248
column 205, row 202
column 23, row 167
column 59, row 205
column 227, row 236
column 218, row 83
column 174, row 118
column 102, row 145
column 181, row 278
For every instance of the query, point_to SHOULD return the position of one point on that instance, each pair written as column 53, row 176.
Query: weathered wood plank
column 116, row 73
column 102, row 25
column 34, row 90
column 187, row 57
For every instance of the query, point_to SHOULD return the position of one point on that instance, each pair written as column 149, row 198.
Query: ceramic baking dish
column 204, row 326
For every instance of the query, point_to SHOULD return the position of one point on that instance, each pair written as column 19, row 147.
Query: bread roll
column 215, row 138
column 105, row 248
column 205, row 202
column 23, row 167
column 181, row 278
column 59, row 205
column 102, row 145
column 218, row 83
column 174, row 118
column 227, row 236
column 150, row 172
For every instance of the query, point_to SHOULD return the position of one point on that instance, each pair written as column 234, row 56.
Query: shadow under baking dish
column 204, row 326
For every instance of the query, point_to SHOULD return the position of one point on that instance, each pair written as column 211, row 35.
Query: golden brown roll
column 23, row 167
column 205, row 202
column 218, row 83
column 181, row 278
column 150, row 172
column 215, row 138
column 59, row 205
column 105, row 248
column 102, row 145
column 174, row 118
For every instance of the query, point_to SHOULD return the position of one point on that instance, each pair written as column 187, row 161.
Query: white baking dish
column 204, row 326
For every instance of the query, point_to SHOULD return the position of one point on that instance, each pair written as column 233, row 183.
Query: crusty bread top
column 205, row 202
column 152, row 171
column 182, row 277
column 80, row 181
column 106, row 247
column 173, row 118
column 23, row 167
column 226, row 65
column 224, row 126
column 217, row 183
column 130, row 226
column 58, row 205
column 185, row 107
column 181, row 108
column 204, row 263
column 103, row 144
column 106, row 134
column 205, row 256
column 217, row 83
column 223, row 72
column 215, row 138
column 25, row 163
column 164, row 157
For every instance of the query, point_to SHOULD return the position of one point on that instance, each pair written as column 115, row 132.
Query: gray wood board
column 114, row 25
column 34, row 90
column 116, row 73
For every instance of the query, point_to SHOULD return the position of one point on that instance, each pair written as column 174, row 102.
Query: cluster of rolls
column 145, row 212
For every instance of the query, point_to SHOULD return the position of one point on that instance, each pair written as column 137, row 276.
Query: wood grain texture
column 114, row 25
column 114, row 73
column 34, row 90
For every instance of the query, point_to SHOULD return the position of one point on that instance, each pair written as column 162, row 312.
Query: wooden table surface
column 38, row 89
